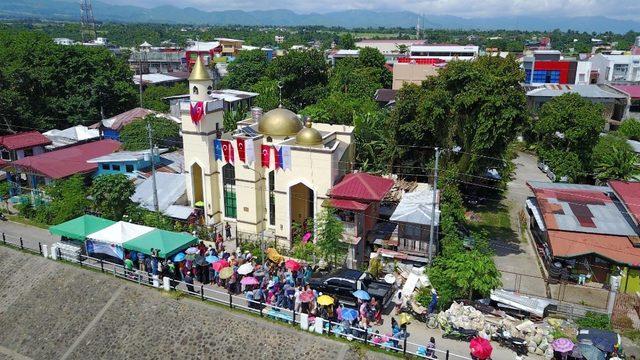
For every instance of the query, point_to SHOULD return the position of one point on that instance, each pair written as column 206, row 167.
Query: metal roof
column 123, row 156
column 171, row 187
column 416, row 207
column 586, row 91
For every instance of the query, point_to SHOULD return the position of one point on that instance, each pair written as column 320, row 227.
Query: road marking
column 93, row 323
column 13, row 354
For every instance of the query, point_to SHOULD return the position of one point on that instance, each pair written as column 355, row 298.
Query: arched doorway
column 301, row 201
column 196, row 183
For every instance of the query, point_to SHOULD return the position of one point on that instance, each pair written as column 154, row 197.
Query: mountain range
column 69, row 11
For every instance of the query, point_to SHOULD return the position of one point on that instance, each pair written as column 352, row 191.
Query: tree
column 570, row 124
column 112, row 195
column 402, row 49
column 348, row 77
column 614, row 159
column 230, row 118
column 329, row 238
column 346, row 41
column 246, row 70
column 374, row 140
column 268, row 97
column 68, row 201
column 135, row 135
column 339, row 108
column 372, row 58
column 631, row 129
column 153, row 96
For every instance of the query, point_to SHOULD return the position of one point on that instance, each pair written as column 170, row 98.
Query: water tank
column 256, row 114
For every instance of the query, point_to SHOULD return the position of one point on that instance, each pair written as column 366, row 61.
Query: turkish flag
column 277, row 157
column 227, row 150
column 241, row 149
column 266, row 155
column 197, row 111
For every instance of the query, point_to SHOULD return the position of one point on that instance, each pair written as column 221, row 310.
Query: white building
column 444, row 52
column 612, row 68
column 63, row 41
column 279, row 39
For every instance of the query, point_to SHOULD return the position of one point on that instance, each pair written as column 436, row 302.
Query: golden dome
column 308, row 135
column 199, row 72
column 279, row 122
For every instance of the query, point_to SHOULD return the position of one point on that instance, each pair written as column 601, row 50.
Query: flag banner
column 217, row 146
column 227, row 151
column 277, row 152
column 240, row 143
column 286, row 157
column 249, row 151
column 197, row 111
column 266, row 155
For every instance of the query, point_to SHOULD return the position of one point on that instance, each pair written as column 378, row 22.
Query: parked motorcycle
column 458, row 333
column 519, row 346
column 2, row 217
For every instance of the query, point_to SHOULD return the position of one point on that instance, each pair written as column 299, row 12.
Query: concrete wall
column 411, row 73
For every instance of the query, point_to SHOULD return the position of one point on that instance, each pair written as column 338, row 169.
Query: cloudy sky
column 621, row 9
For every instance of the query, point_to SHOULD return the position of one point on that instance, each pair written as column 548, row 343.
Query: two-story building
column 615, row 68
column 18, row 146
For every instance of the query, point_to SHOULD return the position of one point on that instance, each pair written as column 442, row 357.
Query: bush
column 631, row 129
column 595, row 321
column 26, row 210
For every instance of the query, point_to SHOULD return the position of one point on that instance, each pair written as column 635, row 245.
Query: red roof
column 616, row 248
column 66, row 162
column 23, row 140
column 632, row 90
column 348, row 205
column 550, row 200
column 629, row 194
column 362, row 186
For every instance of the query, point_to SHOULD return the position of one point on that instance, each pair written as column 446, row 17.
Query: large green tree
column 68, row 200
column 339, row 108
column 45, row 86
column 153, row 96
column 165, row 133
column 246, row 70
column 112, row 195
column 329, row 237
column 268, row 97
column 614, row 159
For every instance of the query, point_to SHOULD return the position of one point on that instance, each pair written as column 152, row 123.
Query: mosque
column 275, row 169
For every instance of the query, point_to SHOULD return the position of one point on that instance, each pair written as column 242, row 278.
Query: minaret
column 200, row 83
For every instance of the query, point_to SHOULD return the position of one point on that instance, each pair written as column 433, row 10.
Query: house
column 111, row 127
column 588, row 230
column 158, row 60
column 159, row 79
column 549, row 67
column 21, row 145
column 632, row 91
column 615, row 68
column 356, row 199
column 279, row 39
column 129, row 163
column 30, row 173
column 385, row 97
column 444, row 52
column 71, row 136
column 206, row 50
column 63, row 41
column 233, row 99
column 390, row 48
column 412, row 73
column 337, row 55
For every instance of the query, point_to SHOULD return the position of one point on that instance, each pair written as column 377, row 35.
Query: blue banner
column 217, row 145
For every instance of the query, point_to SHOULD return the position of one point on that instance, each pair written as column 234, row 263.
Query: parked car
column 342, row 283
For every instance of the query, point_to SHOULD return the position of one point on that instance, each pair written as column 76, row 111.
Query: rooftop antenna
column 87, row 22
column 280, row 89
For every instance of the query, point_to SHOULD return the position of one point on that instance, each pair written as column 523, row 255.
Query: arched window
column 269, row 139
column 229, row 189
column 272, row 197
column 195, row 90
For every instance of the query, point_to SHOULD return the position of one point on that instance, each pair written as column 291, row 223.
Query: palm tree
column 618, row 163
column 403, row 49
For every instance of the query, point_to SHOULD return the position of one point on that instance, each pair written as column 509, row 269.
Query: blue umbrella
column 211, row 259
column 362, row 295
column 590, row 352
column 349, row 314
column 179, row 257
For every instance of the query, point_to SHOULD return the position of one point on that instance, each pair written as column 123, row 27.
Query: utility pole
column 153, row 168
column 433, row 207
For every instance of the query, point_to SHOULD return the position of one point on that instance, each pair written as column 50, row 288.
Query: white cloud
column 622, row 9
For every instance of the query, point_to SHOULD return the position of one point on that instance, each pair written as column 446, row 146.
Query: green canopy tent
column 79, row 228
column 168, row 242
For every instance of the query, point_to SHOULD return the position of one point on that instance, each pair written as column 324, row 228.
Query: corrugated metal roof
column 587, row 91
column 415, row 208
column 23, row 140
column 170, row 188
column 362, row 186
column 571, row 244
column 629, row 194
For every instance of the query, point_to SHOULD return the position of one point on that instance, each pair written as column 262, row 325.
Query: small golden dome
column 308, row 136
column 279, row 122
column 199, row 72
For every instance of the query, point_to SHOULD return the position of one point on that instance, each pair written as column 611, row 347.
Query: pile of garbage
column 537, row 335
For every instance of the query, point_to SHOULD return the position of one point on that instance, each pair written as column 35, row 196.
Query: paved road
column 31, row 234
column 518, row 256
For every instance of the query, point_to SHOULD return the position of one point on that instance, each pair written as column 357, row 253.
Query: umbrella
column 179, row 257
column 362, row 295
column 590, row 352
column 349, row 314
column 602, row 339
column 249, row 280
column 226, row 273
column 325, row 300
column 245, row 269
column 405, row 318
column 273, row 255
column 211, row 259
column 292, row 265
column 562, row 345
column 219, row 265
column 480, row 348
column 192, row 250
column 306, row 296
column 190, row 257
column 200, row 261
column 389, row 279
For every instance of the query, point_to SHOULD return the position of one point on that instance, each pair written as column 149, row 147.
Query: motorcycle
column 458, row 333
column 2, row 217
column 519, row 346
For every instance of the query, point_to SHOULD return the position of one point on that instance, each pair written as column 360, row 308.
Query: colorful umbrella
column 292, row 265
column 226, row 273
column 211, row 259
column 362, row 295
column 480, row 348
column 179, row 257
column 349, row 314
column 245, row 269
column 274, row 256
column 325, row 300
column 219, row 265
column 562, row 345
column 249, row 280
column 306, row 237
column 404, row 319
column 306, row 296
column 192, row 250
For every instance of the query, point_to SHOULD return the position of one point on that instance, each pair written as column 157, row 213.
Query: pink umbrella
column 292, row 265
column 480, row 348
column 306, row 296
column 562, row 345
column 218, row 265
column 306, row 237
column 249, row 280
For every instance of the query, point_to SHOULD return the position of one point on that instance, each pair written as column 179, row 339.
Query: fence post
column 366, row 335
column 404, row 345
column 21, row 244
column 447, row 355
column 101, row 266
column 80, row 259
column 59, row 253
column 4, row 239
column 202, row 292
column 40, row 247
column 294, row 317
column 261, row 306
column 230, row 301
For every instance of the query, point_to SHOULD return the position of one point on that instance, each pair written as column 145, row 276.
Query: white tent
column 415, row 208
column 109, row 240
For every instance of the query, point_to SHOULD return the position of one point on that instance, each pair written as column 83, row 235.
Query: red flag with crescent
column 241, row 149
column 266, row 155
column 197, row 111
column 227, row 150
